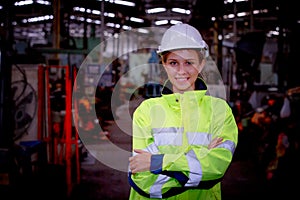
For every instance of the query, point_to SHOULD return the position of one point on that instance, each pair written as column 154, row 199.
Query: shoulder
column 216, row 101
column 148, row 103
column 147, row 106
column 153, row 100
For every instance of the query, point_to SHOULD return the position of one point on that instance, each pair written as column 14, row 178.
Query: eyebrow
column 188, row 59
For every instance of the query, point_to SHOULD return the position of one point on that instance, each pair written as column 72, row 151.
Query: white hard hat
column 182, row 36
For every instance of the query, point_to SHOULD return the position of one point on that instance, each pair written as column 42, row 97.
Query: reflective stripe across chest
column 174, row 136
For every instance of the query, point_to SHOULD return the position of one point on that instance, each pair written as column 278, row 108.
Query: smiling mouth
column 182, row 78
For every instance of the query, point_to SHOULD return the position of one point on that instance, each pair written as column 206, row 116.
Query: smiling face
column 183, row 67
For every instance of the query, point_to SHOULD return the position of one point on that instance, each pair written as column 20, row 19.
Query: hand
column 215, row 142
column 140, row 162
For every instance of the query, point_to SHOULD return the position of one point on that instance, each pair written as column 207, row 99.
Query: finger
column 134, row 170
column 131, row 167
column 217, row 140
column 138, row 151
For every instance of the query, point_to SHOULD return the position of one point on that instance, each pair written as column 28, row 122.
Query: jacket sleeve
column 198, row 166
column 205, row 167
column 149, row 184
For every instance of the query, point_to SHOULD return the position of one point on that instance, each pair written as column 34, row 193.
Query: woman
column 183, row 141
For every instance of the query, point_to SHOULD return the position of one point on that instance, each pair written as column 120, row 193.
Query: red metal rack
column 62, row 147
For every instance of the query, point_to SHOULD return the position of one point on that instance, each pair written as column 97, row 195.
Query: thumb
column 138, row 151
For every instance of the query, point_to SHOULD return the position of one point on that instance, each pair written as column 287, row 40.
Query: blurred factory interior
column 71, row 78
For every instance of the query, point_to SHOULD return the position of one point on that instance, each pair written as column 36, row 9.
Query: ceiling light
column 43, row 2
column 125, row 27
column 161, row 22
column 230, row 16
column 242, row 14
column 121, row 2
column 181, row 10
column 155, row 10
column 37, row 19
column 110, row 24
column 95, row 12
column 231, row 1
column 134, row 19
column 113, row 25
column 142, row 30
column 124, row 3
column 175, row 21
column 22, row 3
column 112, row 15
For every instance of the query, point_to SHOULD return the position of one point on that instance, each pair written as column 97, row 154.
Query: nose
column 181, row 68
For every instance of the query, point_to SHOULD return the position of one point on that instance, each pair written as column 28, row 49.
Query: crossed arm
column 142, row 161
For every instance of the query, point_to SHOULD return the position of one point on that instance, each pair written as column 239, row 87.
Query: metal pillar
column 6, row 41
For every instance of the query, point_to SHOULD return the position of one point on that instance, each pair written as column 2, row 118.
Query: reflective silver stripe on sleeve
column 167, row 130
column 228, row 144
column 168, row 136
column 155, row 190
column 196, row 138
column 195, row 174
column 152, row 148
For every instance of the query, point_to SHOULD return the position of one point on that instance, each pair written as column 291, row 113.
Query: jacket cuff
column 156, row 163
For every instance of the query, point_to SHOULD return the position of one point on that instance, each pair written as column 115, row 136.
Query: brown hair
column 164, row 55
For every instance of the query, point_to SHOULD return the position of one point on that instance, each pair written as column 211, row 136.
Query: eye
column 172, row 62
column 189, row 63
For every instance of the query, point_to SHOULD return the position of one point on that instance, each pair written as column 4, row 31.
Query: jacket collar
column 167, row 87
column 174, row 98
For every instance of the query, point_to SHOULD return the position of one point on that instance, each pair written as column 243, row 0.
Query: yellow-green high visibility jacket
column 177, row 129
